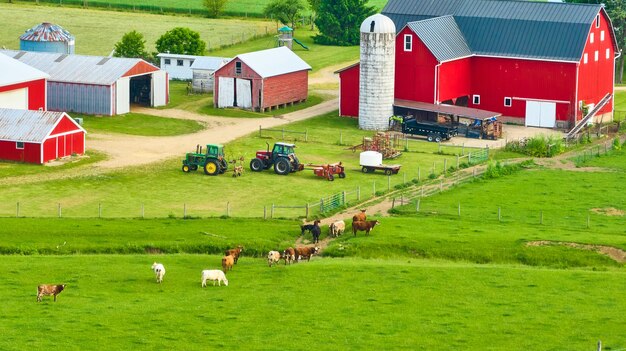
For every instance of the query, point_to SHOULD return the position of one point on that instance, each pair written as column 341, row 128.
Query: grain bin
column 47, row 37
column 376, row 93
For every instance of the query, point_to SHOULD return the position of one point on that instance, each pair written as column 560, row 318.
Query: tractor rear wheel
column 342, row 175
column 256, row 165
column 331, row 177
column 282, row 166
column 185, row 168
column 211, row 168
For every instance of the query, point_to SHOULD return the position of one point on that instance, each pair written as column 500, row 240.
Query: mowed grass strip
column 91, row 39
column 140, row 124
column 18, row 169
column 35, row 236
column 349, row 303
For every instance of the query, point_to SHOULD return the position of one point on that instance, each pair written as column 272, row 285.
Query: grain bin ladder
column 583, row 122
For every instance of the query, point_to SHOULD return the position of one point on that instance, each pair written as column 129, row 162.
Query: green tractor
column 212, row 160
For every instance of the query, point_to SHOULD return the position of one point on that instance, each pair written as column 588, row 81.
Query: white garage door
column 17, row 99
column 159, row 88
column 244, row 93
column 540, row 114
column 122, row 95
column 226, row 92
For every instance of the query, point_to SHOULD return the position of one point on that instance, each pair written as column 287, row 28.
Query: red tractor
column 281, row 157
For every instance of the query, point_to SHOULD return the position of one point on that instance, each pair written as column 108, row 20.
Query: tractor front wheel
column 211, row 168
column 193, row 167
column 185, row 168
column 256, row 165
column 282, row 166
column 342, row 175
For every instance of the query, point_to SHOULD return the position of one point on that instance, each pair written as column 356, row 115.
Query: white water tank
column 370, row 158
column 378, row 47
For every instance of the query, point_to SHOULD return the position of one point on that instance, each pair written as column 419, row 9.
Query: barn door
column 540, row 114
column 122, row 95
column 159, row 88
column 226, row 92
column 244, row 93
column 17, row 99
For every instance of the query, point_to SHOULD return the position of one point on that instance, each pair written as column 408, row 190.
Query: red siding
column 454, row 79
column 9, row 151
column 496, row 78
column 278, row 90
column 36, row 93
column 49, row 150
column 415, row 70
column 285, row 88
column 595, row 78
column 64, row 125
column 349, row 91
column 140, row 68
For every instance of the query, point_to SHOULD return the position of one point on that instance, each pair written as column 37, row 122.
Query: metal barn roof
column 13, row 71
column 467, row 112
column 442, row 36
column 96, row 70
column 47, row 32
column 209, row 62
column 28, row 126
column 524, row 29
column 274, row 62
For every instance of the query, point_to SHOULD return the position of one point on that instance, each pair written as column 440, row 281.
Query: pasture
column 232, row 8
column 97, row 31
column 139, row 124
column 348, row 303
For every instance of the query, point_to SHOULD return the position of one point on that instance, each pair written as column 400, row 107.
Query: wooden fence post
column 272, row 212
column 541, row 217
column 457, row 162
column 283, row 129
column 499, row 214
column 445, row 166
column 463, row 149
column 441, row 185
column 260, row 132
column 340, row 138
column 404, row 178
column 417, row 204
column 306, row 215
column 588, row 219
column 184, row 210
column 142, row 212
column 227, row 208
column 374, row 188
column 17, row 210
column 99, row 210
column 388, row 182
column 406, row 143
column 306, row 134
column 419, row 174
column 459, row 209
column 393, row 202
column 358, row 193
column 343, row 194
column 59, row 210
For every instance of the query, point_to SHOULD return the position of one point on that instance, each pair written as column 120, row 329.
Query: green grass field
column 13, row 169
column 232, row 7
column 140, row 124
column 348, row 303
column 87, row 25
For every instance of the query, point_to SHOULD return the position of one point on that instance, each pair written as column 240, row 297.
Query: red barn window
column 598, row 21
column 476, row 99
column 19, row 145
column 238, row 67
column 508, row 101
column 408, row 42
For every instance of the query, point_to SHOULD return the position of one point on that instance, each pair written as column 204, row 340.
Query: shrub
column 538, row 146
column 616, row 144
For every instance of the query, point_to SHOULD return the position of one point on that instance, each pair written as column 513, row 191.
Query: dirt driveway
column 131, row 150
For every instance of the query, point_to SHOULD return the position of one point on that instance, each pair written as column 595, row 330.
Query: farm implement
column 212, row 160
column 371, row 161
column 328, row 171
column 282, row 157
column 380, row 142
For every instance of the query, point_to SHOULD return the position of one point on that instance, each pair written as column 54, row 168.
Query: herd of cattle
column 231, row 256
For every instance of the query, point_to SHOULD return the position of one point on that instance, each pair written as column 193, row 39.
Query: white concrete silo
column 376, row 93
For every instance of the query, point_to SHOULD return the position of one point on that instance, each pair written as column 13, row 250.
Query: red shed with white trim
column 21, row 86
column 262, row 80
column 536, row 63
column 39, row 136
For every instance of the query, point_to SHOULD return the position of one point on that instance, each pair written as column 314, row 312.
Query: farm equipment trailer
column 432, row 131
column 329, row 171
column 371, row 161
column 212, row 160
column 282, row 157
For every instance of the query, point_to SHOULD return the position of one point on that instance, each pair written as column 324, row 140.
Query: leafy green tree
column 132, row 44
column 181, row 40
column 285, row 11
column 214, row 7
column 617, row 12
column 339, row 21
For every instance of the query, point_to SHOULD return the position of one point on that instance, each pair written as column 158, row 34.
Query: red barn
column 262, row 80
column 537, row 63
column 39, row 136
column 21, row 86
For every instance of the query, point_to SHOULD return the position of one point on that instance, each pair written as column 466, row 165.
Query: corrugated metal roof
column 442, row 36
column 27, row 126
column 526, row 29
column 13, row 71
column 177, row 56
column 47, row 32
column 462, row 111
column 209, row 62
column 274, row 62
column 77, row 68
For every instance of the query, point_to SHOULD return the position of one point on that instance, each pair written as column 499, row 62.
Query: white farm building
column 97, row 85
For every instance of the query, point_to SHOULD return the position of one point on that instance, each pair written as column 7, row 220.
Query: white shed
column 203, row 69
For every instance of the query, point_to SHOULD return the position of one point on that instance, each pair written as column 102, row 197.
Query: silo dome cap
column 378, row 24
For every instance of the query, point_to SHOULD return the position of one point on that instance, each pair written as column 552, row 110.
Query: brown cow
column 227, row 263
column 306, row 252
column 49, row 289
column 365, row 226
column 289, row 255
column 234, row 252
column 359, row 217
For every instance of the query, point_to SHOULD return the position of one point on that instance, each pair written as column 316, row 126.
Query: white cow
column 337, row 228
column 159, row 271
column 214, row 275
column 273, row 257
